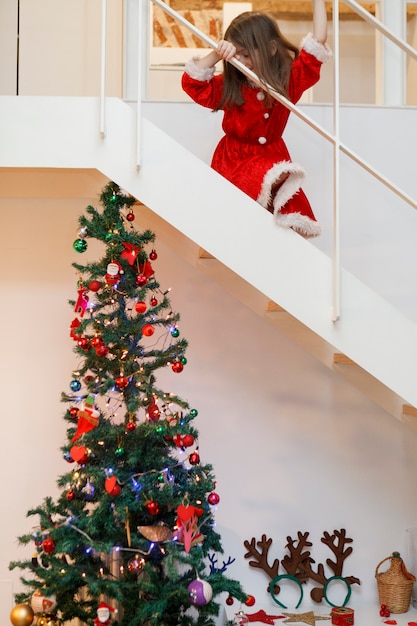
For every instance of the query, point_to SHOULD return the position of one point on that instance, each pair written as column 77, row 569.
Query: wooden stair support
column 342, row 359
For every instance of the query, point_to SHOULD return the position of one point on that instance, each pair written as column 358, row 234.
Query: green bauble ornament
column 193, row 412
column 80, row 245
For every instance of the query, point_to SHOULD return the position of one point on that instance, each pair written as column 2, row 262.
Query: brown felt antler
column 337, row 543
column 298, row 562
column 260, row 557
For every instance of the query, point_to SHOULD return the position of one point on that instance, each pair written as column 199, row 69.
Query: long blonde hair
column 270, row 52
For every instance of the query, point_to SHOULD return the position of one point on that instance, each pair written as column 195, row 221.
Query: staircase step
column 342, row 359
column 203, row 254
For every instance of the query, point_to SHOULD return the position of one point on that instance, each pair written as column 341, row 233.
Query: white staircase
column 251, row 255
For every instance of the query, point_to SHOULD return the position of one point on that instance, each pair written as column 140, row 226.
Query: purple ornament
column 200, row 592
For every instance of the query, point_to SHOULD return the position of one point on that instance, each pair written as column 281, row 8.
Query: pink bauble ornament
column 200, row 592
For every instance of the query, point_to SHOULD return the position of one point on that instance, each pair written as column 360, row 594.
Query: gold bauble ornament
column 22, row 615
column 47, row 620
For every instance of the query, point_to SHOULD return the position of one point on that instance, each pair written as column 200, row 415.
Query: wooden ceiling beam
column 285, row 9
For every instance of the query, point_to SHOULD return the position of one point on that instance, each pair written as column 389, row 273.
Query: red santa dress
column 252, row 153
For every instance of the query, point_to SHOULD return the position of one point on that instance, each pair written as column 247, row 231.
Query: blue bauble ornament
column 75, row 385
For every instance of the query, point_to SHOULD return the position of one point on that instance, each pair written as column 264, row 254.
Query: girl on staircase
column 252, row 153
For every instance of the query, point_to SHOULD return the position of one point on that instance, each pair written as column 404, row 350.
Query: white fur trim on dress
column 288, row 188
column 198, row 73
column 301, row 224
column 321, row 51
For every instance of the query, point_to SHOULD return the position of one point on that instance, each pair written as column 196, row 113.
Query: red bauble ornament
column 102, row 350
column 153, row 301
column 95, row 285
column 177, row 367
column 130, row 426
column 141, row 280
column 229, row 600
column 70, row 495
column 122, row 382
column 152, row 507
column 48, row 545
column 84, row 343
column 73, row 411
column 153, row 256
column 140, row 307
column 213, row 498
column 194, row 458
column 250, row 601
column 130, row 216
column 96, row 341
column 148, row 330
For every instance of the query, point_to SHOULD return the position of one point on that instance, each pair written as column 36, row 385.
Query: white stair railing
column 333, row 138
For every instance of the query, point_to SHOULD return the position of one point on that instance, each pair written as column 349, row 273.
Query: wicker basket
column 395, row 585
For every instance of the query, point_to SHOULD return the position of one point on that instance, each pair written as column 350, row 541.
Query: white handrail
column 381, row 27
column 336, row 269
column 334, row 139
column 103, row 67
column 141, row 5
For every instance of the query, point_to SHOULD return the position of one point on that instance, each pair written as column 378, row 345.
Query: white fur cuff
column 319, row 50
column 198, row 73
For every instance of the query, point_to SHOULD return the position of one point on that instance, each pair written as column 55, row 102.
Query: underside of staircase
column 221, row 231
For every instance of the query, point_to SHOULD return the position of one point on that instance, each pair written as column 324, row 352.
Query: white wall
column 294, row 447
column 59, row 47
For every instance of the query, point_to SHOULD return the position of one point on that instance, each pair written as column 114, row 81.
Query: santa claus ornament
column 103, row 614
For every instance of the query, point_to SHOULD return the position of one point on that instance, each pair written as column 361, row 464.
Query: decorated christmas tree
column 130, row 539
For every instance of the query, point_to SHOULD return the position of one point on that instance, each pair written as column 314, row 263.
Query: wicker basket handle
column 379, row 564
